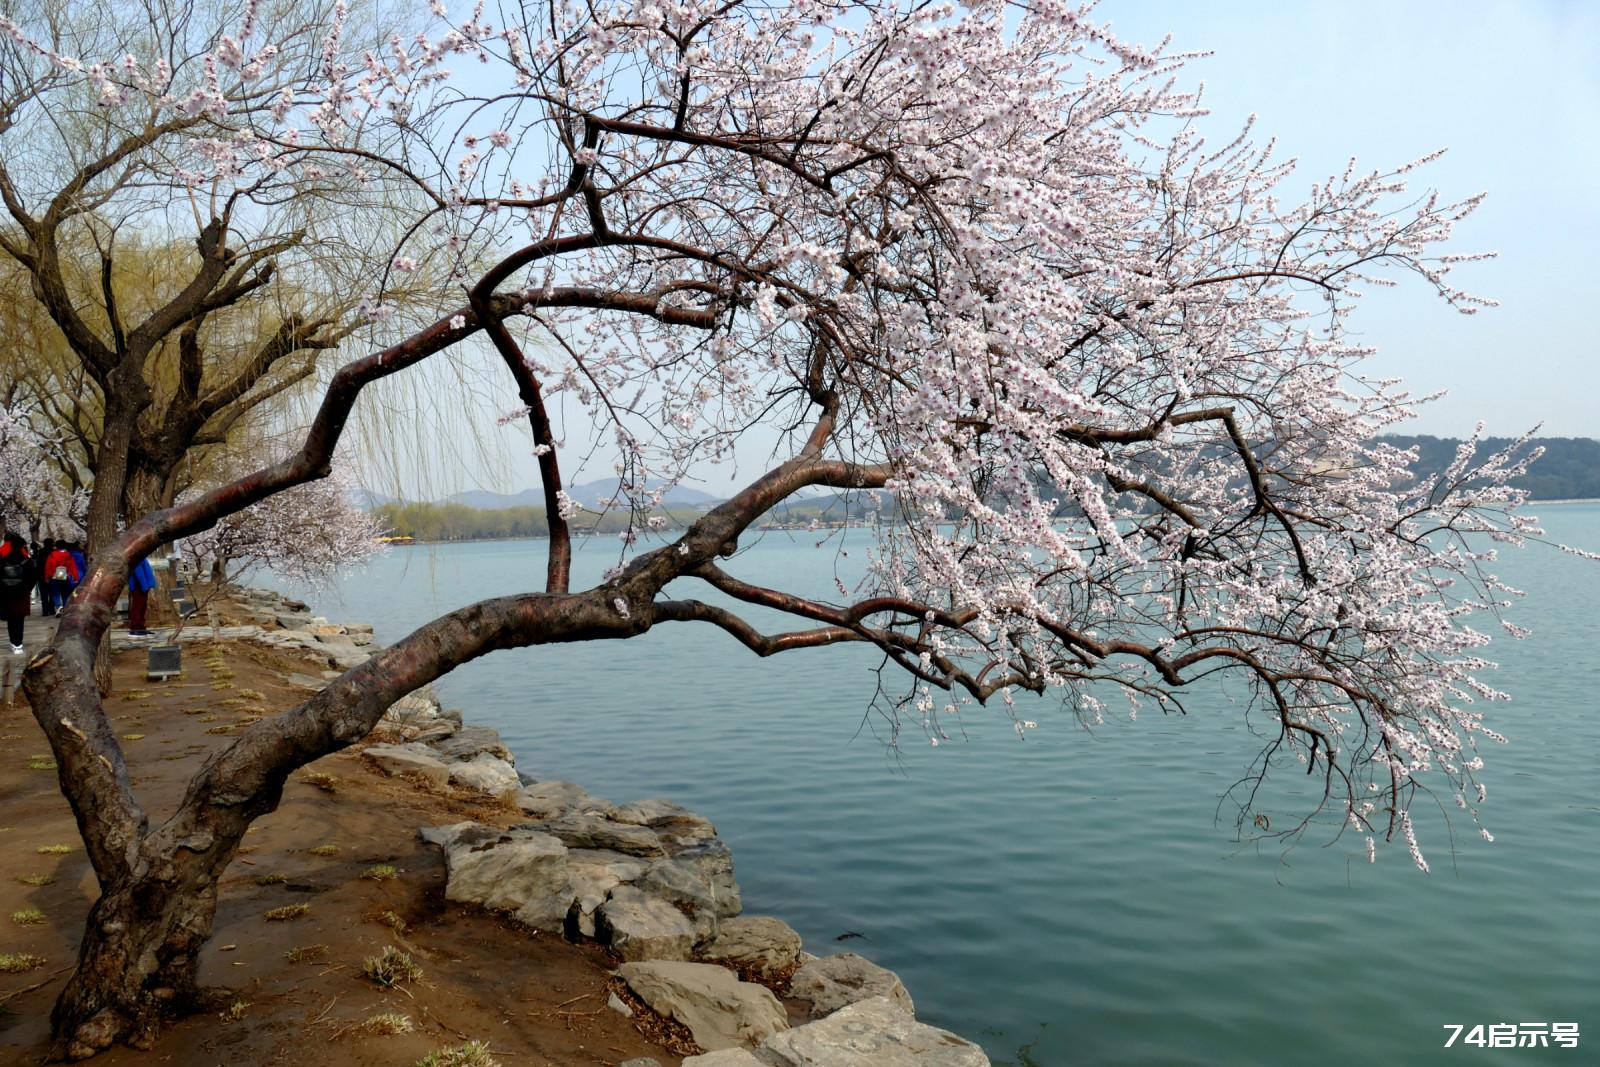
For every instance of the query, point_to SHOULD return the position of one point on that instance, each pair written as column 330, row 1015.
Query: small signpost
column 166, row 661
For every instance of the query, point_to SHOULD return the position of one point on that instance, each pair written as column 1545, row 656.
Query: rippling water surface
column 1077, row 898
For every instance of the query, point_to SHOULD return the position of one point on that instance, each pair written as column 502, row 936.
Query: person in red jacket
column 16, row 585
column 61, row 571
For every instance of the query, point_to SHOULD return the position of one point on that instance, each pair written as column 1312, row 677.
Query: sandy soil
column 535, row 1000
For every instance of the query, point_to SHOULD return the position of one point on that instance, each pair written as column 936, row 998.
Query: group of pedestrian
column 55, row 568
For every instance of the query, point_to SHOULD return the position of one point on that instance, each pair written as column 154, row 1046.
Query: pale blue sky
column 1512, row 89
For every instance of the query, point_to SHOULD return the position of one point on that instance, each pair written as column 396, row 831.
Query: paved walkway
column 36, row 633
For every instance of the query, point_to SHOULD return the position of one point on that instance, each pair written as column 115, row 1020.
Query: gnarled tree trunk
column 137, row 963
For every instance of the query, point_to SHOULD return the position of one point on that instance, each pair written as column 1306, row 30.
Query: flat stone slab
column 485, row 774
column 471, row 740
column 719, row 1010
column 548, row 800
column 592, row 831
column 872, row 1033
column 833, row 982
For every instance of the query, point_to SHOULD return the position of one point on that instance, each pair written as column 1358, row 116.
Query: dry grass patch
column 27, row 917
column 285, row 913
column 472, row 1054
column 325, row 782
column 324, row 850
column 36, row 879
column 18, row 962
column 270, row 879
column 53, row 850
column 42, row 762
column 388, row 1022
column 235, row 1011
column 381, row 872
column 133, row 737
column 390, row 968
column 306, row 954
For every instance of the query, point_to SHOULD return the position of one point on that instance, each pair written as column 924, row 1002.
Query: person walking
column 63, row 574
column 76, row 549
column 47, row 596
column 16, row 585
column 141, row 580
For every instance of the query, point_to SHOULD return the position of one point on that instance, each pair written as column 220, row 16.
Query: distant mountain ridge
column 1568, row 470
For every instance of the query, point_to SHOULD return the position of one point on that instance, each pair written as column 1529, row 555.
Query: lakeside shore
column 619, row 927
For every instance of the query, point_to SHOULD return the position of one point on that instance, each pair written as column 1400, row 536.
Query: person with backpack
column 47, row 597
column 16, row 585
column 141, row 579
column 62, row 573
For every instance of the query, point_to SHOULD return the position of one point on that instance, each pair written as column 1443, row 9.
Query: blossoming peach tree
column 975, row 259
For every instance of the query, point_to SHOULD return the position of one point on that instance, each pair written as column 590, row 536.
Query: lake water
column 1077, row 898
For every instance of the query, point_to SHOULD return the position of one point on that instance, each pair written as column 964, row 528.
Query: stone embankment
column 650, row 879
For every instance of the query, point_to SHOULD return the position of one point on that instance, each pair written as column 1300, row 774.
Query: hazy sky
column 1512, row 89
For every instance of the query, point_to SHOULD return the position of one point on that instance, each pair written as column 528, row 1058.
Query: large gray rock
column 677, row 824
column 766, row 945
column 872, row 1033
column 486, row 774
column 639, row 927
column 728, row 1057
column 549, row 800
column 517, row 871
column 832, row 982
column 719, row 1010
column 595, row 873
column 471, row 740
column 592, row 831
column 409, row 759
column 699, row 877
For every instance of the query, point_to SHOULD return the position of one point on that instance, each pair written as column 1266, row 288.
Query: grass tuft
column 53, row 850
column 306, row 953
column 41, row 763
column 270, row 879
column 325, row 782
column 393, row 921
column 133, row 737
column 380, row 873
column 324, row 850
column 391, row 967
column 235, row 1011
column 472, row 1054
column 285, row 913
column 388, row 1022
column 27, row 917
column 252, row 694
column 17, row 962
column 36, row 879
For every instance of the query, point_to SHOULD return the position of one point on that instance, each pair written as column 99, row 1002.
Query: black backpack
column 16, row 573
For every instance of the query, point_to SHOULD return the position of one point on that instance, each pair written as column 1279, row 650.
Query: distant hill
column 1568, row 470
column 589, row 494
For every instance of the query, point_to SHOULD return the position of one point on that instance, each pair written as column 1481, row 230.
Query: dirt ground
column 291, row 991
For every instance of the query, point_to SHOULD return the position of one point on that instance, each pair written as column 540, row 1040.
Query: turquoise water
column 1078, row 898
